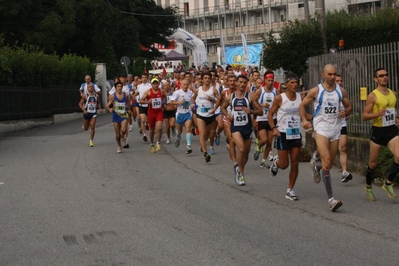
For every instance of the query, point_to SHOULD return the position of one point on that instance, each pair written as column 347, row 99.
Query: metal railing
column 234, row 6
column 357, row 66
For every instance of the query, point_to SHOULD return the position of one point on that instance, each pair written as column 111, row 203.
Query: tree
column 298, row 41
column 103, row 30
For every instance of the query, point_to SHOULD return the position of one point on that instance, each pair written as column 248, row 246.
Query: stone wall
column 357, row 150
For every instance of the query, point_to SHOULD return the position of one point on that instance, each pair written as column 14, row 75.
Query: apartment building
column 209, row 19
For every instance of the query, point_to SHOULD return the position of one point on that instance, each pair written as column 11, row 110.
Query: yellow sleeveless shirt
column 388, row 102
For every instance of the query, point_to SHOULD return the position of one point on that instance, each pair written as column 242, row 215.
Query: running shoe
column 263, row 164
column 334, row 204
column 236, row 174
column 189, row 150
column 389, row 189
column 177, row 142
column 241, row 180
column 369, row 194
column 274, row 168
column 346, row 176
column 91, row 144
column 228, row 147
column 256, row 153
column 217, row 139
column 270, row 156
column 130, row 128
column 291, row 195
column 152, row 148
column 211, row 151
column 146, row 127
column 158, row 146
column 140, row 131
column 126, row 144
column 236, row 169
column 173, row 132
column 316, row 173
column 119, row 150
column 145, row 138
column 168, row 141
column 314, row 156
column 83, row 127
column 207, row 158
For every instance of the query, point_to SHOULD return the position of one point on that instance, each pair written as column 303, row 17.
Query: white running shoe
column 291, row 195
column 271, row 156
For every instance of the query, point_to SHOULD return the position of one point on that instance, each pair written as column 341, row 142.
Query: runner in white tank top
column 326, row 98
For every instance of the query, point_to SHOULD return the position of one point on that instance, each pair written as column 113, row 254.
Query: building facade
column 209, row 19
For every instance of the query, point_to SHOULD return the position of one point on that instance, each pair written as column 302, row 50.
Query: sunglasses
column 382, row 75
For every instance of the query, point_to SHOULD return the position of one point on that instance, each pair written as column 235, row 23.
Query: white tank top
column 203, row 104
column 326, row 109
column 266, row 97
column 288, row 118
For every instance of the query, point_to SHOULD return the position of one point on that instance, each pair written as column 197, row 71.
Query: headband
column 291, row 78
column 269, row 76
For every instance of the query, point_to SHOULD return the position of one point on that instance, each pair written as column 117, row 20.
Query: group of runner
column 213, row 102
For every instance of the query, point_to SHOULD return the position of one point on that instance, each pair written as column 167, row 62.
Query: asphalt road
column 64, row 203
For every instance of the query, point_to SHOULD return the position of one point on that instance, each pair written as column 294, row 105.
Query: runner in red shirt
column 156, row 99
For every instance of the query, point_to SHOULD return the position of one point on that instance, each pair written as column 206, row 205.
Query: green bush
column 28, row 66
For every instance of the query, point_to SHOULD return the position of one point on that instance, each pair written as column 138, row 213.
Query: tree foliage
column 298, row 40
column 363, row 29
column 103, row 30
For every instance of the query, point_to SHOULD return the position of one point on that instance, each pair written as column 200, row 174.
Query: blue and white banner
column 235, row 54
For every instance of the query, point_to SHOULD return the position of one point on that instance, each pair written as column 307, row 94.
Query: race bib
column 240, row 118
column 186, row 105
column 138, row 98
column 293, row 130
column 205, row 108
column 156, row 103
column 91, row 107
column 330, row 110
column 389, row 118
column 120, row 108
column 168, row 99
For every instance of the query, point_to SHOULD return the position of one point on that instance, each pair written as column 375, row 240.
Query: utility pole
column 306, row 7
column 321, row 17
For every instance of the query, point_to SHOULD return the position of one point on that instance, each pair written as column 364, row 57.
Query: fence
column 32, row 102
column 357, row 68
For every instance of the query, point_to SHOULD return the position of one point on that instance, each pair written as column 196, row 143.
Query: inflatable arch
column 194, row 43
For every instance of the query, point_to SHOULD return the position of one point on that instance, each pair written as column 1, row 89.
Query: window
column 186, row 9
column 237, row 23
column 226, row 4
column 206, row 6
column 259, row 20
column 215, row 26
